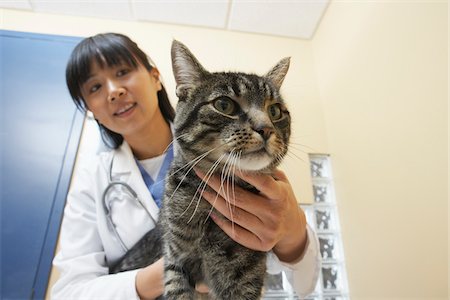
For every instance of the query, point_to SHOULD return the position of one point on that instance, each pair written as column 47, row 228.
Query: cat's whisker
column 239, row 162
column 211, row 209
column 297, row 140
column 209, row 174
column 228, row 173
column 232, row 170
column 230, row 177
column 294, row 156
column 224, row 177
column 234, row 185
column 217, row 195
column 193, row 163
column 236, row 161
column 233, row 174
column 174, row 140
column 185, row 175
column 214, row 202
column 221, row 188
column 302, row 145
column 204, row 184
column 297, row 149
column 201, row 186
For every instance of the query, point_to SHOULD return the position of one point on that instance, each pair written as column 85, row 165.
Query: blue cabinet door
column 39, row 134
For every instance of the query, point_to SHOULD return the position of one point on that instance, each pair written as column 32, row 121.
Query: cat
column 225, row 123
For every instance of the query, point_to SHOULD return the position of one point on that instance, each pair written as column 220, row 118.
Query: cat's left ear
column 186, row 68
column 277, row 74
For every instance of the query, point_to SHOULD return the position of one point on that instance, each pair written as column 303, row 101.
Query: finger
column 234, row 214
column 280, row 175
column 240, row 234
column 201, row 288
column 234, row 195
column 265, row 183
column 212, row 181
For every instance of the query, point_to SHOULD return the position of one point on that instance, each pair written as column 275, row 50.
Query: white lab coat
column 87, row 246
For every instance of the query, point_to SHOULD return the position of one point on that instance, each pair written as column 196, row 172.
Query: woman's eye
column 94, row 88
column 225, row 105
column 275, row 112
column 122, row 72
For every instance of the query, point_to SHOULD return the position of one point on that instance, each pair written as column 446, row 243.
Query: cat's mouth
column 259, row 151
column 255, row 160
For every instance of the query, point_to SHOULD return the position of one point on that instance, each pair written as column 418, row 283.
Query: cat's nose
column 265, row 132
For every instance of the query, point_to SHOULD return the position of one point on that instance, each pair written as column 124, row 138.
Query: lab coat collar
column 125, row 166
column 123, row 159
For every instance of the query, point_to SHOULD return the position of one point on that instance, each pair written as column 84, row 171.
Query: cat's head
column 234, row 119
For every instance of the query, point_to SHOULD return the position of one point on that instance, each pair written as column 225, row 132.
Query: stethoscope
column 107, row 205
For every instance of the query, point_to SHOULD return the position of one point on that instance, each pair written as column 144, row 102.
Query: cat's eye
column 225, row 105
column 275, row 112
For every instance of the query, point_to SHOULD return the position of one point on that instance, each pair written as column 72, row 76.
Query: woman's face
column 121, row 98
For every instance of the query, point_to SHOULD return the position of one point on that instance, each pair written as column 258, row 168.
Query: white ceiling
column 288, row 18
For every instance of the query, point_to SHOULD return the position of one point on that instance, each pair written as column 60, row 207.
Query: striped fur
column 220, row 142
column 195, row 249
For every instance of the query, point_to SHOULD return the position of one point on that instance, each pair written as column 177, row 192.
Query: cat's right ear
column 277, row 74
column 186, row 68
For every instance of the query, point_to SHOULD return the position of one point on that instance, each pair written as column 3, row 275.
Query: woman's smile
column 126, row 110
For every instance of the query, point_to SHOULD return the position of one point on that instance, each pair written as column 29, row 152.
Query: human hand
column 270, row 220
column 201, row 288
column 150, row 280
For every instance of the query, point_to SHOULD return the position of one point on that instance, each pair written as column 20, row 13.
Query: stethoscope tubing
column 107, row 207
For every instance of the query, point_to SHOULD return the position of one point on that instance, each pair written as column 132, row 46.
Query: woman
column 110, row 76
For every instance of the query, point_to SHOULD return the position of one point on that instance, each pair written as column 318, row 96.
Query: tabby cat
column 225, row 123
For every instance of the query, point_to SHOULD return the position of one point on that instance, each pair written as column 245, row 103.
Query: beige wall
column 370, row 89
column 382, row 76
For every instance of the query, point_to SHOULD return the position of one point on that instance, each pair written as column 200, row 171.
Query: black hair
column 108, row 49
